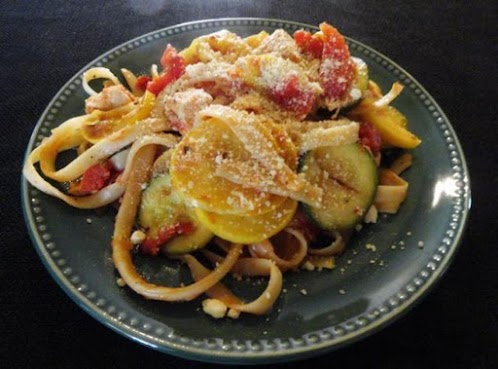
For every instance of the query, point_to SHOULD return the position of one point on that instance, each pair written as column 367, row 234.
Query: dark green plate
column 367, row 290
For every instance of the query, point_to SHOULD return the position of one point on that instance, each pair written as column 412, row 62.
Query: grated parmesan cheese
column 214, row 307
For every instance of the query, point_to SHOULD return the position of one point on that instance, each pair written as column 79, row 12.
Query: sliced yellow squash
column 193, row 167
column 390, row 122
column 248, row 229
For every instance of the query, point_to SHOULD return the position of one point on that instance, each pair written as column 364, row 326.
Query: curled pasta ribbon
column 97, row 73
column 312, row 135
column 121, row 244
column 162, row 139
column 336, row 247
column 266, row 250
column 391, row 192
column 96, row 153
column 247, row 174
column 109, row 122
column 392, row 189
column 402, row 163
column 218, row 291
column 68, row 136
column 390, row 96
column 131, row 81
column 63, row 138
column 245, row 266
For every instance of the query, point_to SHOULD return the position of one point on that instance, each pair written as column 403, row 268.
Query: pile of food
column 241, row 156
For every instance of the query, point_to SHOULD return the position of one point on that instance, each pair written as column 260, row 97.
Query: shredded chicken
column 281, row 44
column 110, row 97
column 182, row 107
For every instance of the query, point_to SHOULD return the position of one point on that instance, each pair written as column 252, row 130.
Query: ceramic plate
column 319, row 311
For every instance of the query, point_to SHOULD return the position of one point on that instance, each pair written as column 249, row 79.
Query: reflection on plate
column 367, row 290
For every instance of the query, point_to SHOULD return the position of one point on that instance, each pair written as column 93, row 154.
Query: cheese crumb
column 218, row 159
column 371, row 247
column 137, row 237
column 89, row 221
column 232, row 313
column 308, row 266
column 420, row 244
column 214, row 307
column 120, row 282
column 304, row 292
column 342, row 292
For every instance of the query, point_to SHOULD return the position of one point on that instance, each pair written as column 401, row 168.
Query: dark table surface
column 450, row 47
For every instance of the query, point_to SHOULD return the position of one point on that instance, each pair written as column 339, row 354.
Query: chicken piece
column 182, row 107
column 215, row 78
column 280, row 43
column 109, row 98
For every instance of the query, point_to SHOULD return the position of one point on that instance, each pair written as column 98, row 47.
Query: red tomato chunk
column 309, row 43
column 370, row 137
column 337, row 69
column 173, row 65
column 151, row 246
column 292, row 97
column 141, row 83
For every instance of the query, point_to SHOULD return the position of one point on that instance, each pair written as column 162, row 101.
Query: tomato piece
column 94, row 179
column 171, row 58
column 315, row 47
column 173, row 67
column 290, row 96
column 151, row 246
column 141, row 83
column 337, row 69
column 309, row 43
column 302, row 38
column 370, row 137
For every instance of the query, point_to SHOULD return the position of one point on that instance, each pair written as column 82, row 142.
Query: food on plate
column 248, row 157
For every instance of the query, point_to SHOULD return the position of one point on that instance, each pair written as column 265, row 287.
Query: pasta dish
column 237, row 157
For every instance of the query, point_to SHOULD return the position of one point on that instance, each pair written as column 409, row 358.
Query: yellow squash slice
column 248, row 229
column 193, row 167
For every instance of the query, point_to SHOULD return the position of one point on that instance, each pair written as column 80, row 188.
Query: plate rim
column 301, row 349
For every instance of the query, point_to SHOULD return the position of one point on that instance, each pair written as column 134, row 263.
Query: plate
column 318, row 311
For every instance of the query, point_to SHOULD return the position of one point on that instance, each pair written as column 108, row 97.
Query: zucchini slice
column 186, row 243
column 161, row 206
column 360, row 83
column 348, row 175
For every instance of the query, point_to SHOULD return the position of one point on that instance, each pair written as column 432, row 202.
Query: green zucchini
column 360, row 84
column 348, row 175
column 361, row 81
column 185, row 243
column 161, row 206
